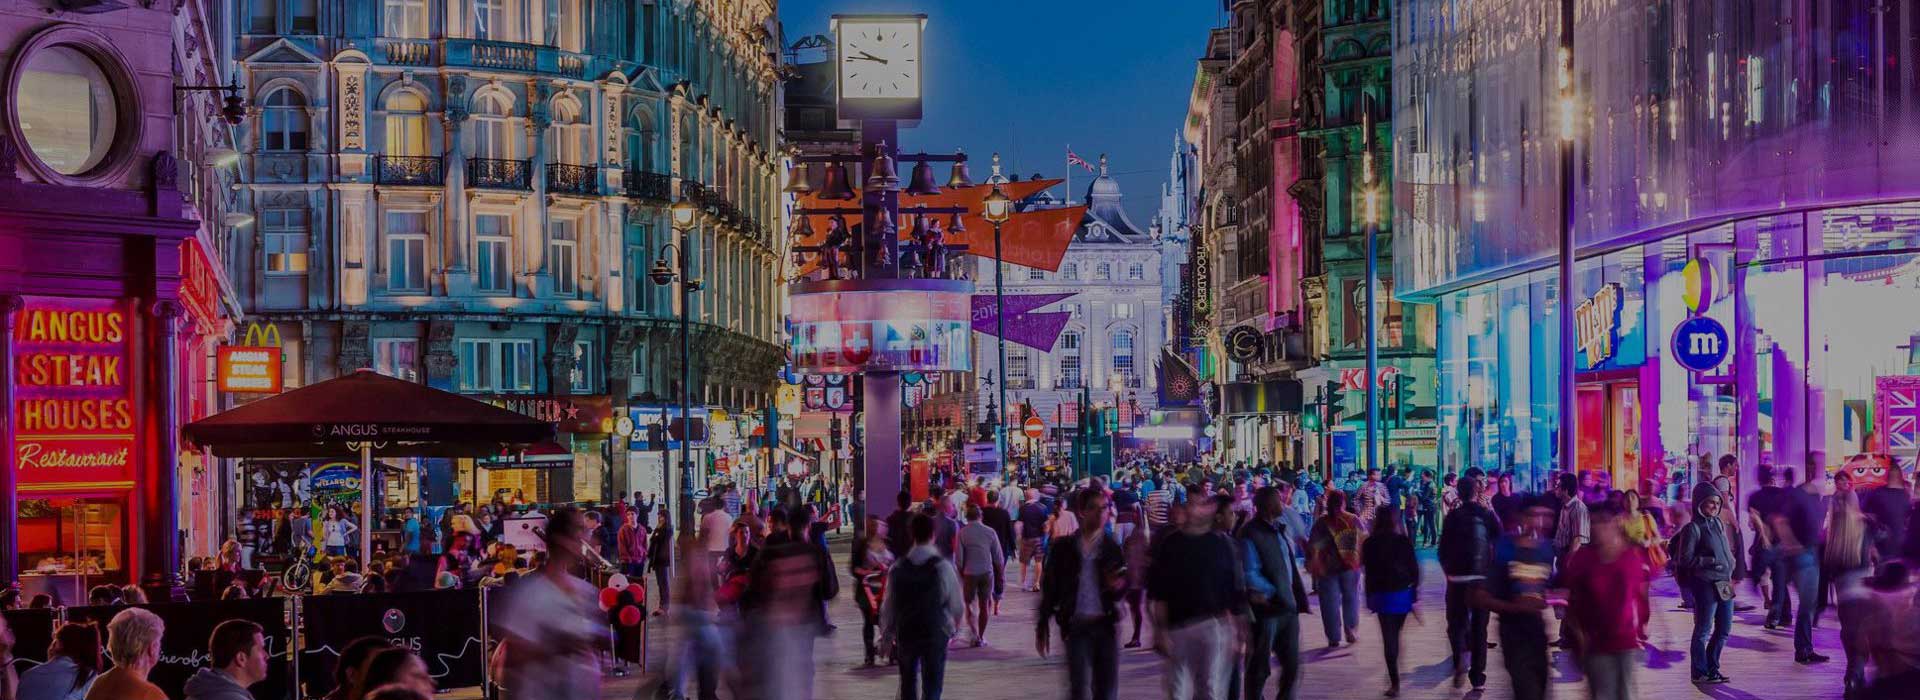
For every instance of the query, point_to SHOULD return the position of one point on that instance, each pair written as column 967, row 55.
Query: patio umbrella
column 364, row 414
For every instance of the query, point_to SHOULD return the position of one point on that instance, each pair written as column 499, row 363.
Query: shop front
column 573, row 468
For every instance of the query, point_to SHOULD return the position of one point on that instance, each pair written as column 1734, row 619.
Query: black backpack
column 920, row 603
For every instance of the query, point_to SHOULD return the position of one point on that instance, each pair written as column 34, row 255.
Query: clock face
column 879, row 60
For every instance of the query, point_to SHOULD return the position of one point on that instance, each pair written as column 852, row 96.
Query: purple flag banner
column 1017, row 304
column 1034, row 330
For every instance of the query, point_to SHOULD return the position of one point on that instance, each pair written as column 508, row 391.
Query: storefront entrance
column 1609, row 435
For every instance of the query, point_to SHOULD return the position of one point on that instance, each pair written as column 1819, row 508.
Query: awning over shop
column 395, row 417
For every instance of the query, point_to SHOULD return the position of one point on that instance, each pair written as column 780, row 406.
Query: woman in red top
column 1605, row 583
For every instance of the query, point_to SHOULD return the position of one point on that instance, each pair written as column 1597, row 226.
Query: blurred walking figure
column 1196, row 591
column 1138, row 549
column 787, row 587
column 1079, row 590
column 553, row 624
column 1849, row 557
column 1606, row 585
column 1466, row 556
column 703, row 653
column 1393, row 581
column 869, row 565
column 982, row 563
column 1704, row 556
column 1333, row 557
column 1275, row 594
column 921, row 613
column 1796, row 531
column 1516, row 588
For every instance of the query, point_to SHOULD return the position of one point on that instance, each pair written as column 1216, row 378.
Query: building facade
column 471, row 193
column 115, row 194
column 1744, row 218
column 1353, row 146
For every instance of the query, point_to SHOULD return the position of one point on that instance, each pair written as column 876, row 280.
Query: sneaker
column 1459, row 680
column 1811, row 658
column 1719, row 678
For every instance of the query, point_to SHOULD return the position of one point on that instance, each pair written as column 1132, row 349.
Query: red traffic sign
column 1034, row 428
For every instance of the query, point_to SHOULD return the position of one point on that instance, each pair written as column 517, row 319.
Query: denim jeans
column 1199, row 659
column 1712, row 622
column 1610, row 676
column 1780, row 572
column 704, row 654
column 1339, row 604
column 1273, row 638
column 1467, row 632
column 1806, row 585
column 923, row 667
column 1093, row 660
column 1524, row 649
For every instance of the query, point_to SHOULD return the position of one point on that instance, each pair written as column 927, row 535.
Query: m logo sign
column 1700, row 344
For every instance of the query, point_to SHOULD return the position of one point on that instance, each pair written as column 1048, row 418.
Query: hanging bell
column 802, row 227
column 836, row 188
column 960, row 177
column 919, row 232
column 922, row 182
column 799, row 180
column 883, row 176
column 956, row 225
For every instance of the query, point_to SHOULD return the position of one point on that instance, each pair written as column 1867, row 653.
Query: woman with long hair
column 1393, row 582
column 1643, row 534
column 870, row 564
column 394, row 666
column 1847, row 561
column 336, row 529
column 74, row 664
column 1333, row 559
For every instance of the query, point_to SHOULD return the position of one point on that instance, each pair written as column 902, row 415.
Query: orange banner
column 1036, row 238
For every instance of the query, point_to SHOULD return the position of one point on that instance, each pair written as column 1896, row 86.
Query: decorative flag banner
column 1034, row 330
column 1037, row 238
column 1075, row 159
column 1897, row 418
column 1179, row 383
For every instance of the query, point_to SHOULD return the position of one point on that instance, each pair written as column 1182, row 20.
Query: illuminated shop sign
column 73, row 411
column 1596, row 324
column 250, row 370
column 898, row 330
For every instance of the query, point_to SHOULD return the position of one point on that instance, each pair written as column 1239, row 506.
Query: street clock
column 878, row 66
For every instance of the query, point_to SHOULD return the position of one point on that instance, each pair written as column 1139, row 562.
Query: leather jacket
column 1466, row 540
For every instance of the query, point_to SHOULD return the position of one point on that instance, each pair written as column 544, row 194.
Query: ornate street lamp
column 997, row 208
column 682, row 217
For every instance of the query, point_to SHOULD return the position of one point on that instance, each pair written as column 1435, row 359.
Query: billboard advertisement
column 891, row 330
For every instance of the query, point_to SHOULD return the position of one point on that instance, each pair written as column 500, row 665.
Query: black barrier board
column 32, row 634
column 183, row 650
column 442, row 627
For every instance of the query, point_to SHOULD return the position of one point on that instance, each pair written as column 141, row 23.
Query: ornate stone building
column 470, row 193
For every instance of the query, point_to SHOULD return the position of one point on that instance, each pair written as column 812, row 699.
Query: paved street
column 1759, row 661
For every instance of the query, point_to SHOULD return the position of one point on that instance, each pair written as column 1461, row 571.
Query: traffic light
column 1311, row 419
column 1335, row 397
column 1402, row 399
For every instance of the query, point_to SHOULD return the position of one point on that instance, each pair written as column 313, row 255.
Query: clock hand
column 864, row 56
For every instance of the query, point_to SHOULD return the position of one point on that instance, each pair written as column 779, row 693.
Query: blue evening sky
column 1028, row 78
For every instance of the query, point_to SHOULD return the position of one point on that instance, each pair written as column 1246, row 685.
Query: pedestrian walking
column 982, row 563
column 1393, row 583
column 1030, row 527
column 1275, row 595
column 1772, row 574
column 704, row 653
column 1197, row 595
column 869, row 564
column 133, row 642
column 1467, row 538
column 1333, row 558
column 1643, row 534
column 1848, row 558
column 1702, row 552
column 921, row 613
column 1372, row 494
column 1139, row 551
column 1797, row 534
column 789, row 583
column 1517, row 589
column 552, row 620
column 1079, row 592
column 238, row 654
column 1888, row 510
column 1606, row 586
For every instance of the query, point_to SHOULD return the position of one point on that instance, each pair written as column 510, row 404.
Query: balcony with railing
column 512, row 56
column 693, row 192
column 573, row 179
column 405, row 52
column 494, row 173
column 408, row 170
column 652, row 187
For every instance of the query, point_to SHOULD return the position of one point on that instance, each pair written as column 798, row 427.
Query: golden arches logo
column 259, row 336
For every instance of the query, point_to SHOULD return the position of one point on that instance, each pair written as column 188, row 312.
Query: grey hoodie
column 213, row 684
column 1701, row 549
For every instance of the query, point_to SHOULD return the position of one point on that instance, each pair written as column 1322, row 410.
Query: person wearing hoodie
column 1703, row 553
column 238, row 651
column 921, row 611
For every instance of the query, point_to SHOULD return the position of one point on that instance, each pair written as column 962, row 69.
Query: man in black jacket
column 1276, row 594
column 1466, row 550
column 1088, row 620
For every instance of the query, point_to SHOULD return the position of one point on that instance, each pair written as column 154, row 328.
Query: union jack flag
column 1899, row 417
column 1075, row 159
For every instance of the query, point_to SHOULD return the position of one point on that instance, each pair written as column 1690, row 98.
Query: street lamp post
column 997, row 207
column 1371, row 203
column 1569, row 421
column 683, row 213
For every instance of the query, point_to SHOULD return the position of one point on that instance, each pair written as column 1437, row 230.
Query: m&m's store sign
column 73, row 416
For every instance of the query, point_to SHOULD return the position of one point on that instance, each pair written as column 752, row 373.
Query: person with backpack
column 1333, row 558
column 1704, row 554
column 1466, row 553
column 920, row 613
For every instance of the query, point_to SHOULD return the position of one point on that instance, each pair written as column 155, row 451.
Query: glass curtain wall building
column 1745, row 219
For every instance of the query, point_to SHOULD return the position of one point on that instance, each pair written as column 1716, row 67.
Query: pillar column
column 9, row 496
column 160, row 497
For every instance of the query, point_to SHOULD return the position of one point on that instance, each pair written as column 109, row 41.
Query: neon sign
column 73, row 410
column 1597, row 324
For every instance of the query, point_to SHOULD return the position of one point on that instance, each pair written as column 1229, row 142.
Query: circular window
column 67, row 109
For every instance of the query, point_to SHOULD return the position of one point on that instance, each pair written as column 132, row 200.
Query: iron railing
column 655, row 187
column 572, row 179
column 499, row 174
column 408, row 170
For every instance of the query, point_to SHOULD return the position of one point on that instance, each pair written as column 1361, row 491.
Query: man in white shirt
column 714, row 527
column 1010, row 496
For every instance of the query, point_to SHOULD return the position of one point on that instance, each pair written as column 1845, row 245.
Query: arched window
column 492, row 135
column 568, row 139
column 283, row 121
column 406, row 124
column 1123, row 357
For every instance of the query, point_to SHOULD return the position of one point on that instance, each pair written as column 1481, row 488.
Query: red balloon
column 639, row 592
column 609, row 597
column 630, row 616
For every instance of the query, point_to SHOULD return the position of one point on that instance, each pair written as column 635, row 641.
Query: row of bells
column 882, row 175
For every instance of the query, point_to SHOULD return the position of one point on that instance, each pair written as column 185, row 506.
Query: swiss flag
column 856, row 342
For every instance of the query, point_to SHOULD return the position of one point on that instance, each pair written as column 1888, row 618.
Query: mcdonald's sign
column 253, row 366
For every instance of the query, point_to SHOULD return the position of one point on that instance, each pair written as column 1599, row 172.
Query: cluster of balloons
column 623, row 601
